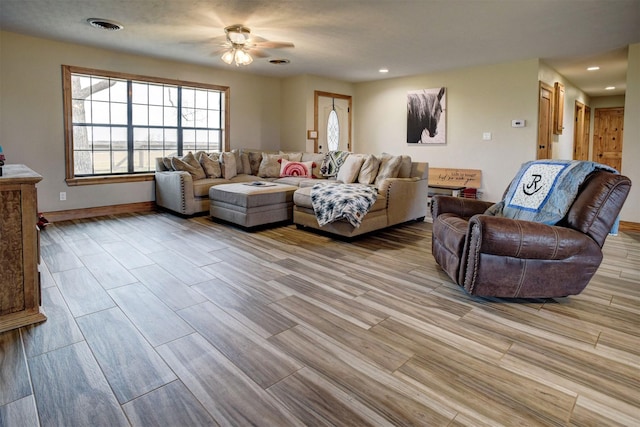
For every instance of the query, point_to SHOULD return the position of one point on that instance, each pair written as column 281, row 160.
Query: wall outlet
column 486, row 136
column 63, row 195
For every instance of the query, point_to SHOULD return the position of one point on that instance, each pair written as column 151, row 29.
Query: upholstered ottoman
column 251, row 205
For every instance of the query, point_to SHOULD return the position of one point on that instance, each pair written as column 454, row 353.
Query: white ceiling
column 351, row 40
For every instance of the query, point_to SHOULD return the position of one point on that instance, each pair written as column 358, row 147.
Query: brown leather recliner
column 500, row 257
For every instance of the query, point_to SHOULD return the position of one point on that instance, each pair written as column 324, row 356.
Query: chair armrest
column 174, row 191
column 460, row 206
column 525, row 239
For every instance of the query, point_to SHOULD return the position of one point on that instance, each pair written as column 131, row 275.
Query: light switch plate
column 486, row 136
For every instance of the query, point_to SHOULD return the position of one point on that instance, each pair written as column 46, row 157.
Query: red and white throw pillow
column 301, row 169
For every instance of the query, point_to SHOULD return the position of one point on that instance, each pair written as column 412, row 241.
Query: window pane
column 188, row 117
column 188, row 98
column 118, row 114
column 333, row 131
column 156, row 115
column 82, row 163
column 214, row 119
column 141, row 161
column 139, row 93
column 140, row 114
column 102, row 162
column 170, row 116
column 99, row 89
column 81, row 138
column 140, row 138
column 100, row 112
column 101, row 138
column 201, row 118
column 119, row 162
column 201, row 99
column 118, row 91
column 155, row 95
column 81, row 114
column 171, row 96
column 79, row 85
column 214, row 100
column 119, row 139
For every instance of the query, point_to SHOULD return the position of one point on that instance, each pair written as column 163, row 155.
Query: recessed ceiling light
column 609, row 88
column 104, row 24
column 594, row 68
column 279, row 61
column 383, row 70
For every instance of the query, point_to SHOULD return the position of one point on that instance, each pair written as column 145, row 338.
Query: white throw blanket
column 334, row 201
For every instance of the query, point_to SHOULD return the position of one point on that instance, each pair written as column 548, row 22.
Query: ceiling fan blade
column 258, row 53
column 274, row 45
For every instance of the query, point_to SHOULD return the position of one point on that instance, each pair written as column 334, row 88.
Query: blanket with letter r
column 544, row 190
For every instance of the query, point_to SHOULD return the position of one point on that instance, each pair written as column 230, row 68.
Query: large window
column 117, row 124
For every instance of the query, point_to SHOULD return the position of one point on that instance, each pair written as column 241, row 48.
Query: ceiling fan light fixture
column 228, row 56
column 237, row 34
column 242, row 58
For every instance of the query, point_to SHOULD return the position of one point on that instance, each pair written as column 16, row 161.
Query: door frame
column 317, row 94
column 549, row 133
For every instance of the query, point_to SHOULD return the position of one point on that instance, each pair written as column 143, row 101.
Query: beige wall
column 631, row 142
column 481, row 99
column 31, row 120
column 298, row 108
column 562, row 145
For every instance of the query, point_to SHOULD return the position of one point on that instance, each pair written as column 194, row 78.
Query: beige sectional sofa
column 182, row 184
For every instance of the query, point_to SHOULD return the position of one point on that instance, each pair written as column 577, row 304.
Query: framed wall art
column 426, row 116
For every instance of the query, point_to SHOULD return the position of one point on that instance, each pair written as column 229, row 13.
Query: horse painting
column 425, row 108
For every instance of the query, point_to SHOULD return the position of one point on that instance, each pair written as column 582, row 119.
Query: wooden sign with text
column 449, row 177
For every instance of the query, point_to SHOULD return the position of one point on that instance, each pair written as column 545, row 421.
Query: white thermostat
column 518, row 123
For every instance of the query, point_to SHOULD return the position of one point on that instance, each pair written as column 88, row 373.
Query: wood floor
column 156, row 320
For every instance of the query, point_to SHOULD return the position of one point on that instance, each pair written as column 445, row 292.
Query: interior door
column 608, row 130
column 580, row 143
column 333, row 122
column 545, row 121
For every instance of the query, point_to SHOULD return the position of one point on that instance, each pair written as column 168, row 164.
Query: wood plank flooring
column 157, row 320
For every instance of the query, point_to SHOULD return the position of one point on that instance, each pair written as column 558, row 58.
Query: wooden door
column 545, row 121
column 324, row 104
column 608, row 129
column 580, row 143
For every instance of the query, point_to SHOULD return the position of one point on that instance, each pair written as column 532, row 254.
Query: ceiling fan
column 240, row 45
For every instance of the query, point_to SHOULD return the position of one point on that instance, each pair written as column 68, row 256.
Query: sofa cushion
column 389, row 168
column 210, row 164
column 317, row 159
column 255, row 158
column 269, row 166
column 302, row 169
column 350, row 169
column 294, row 156
column 201, row 186
column 188, row 163
column 166, row 162
column 228, row 165
column 405, row 167
column 369, row 169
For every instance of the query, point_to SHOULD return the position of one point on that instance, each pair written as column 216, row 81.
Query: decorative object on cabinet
column 19, row 249
column 558, row 108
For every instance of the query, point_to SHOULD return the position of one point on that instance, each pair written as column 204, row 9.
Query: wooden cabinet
column 19, row 248
column 558, row 108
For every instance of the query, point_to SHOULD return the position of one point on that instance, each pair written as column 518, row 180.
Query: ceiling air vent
column 279, row 61
column 104, row 24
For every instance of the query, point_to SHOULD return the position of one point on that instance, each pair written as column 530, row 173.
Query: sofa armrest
column 174, row 191
column 525, row 239
column 460, row 206
column 406, row 199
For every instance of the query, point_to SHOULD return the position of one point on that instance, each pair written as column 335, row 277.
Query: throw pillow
column 246, row 165
column 369, row 169
column 317, row 159
column 301, row 169
column 228, row 165
column 348, row 172
column 188, row 163
column 269, row 166
column 389, row 168
column 166, row 161
column 238, row 156
column 211, row 164
column 293, row 156
column 332, row 162
column 255, row 158
column 405, row 167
